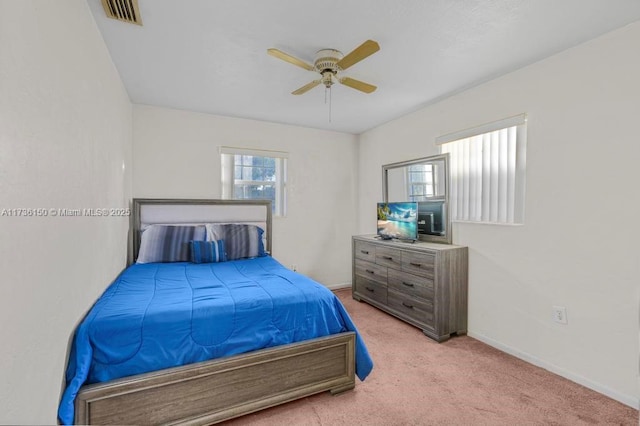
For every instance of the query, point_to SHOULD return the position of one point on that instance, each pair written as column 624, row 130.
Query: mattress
column 162, row 315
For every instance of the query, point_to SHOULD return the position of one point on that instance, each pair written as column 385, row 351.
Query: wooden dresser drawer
column 371, row 271
column 388, row 256
column 417, row 309
column 371, row 289
column 418, row 263
column 424, row 284
column 365, row 251
column 411, row 285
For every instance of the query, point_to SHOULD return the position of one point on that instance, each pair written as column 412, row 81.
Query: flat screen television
column 398, row 220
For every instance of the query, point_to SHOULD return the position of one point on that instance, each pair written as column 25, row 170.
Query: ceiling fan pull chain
column 327, row 95
column 329, row 89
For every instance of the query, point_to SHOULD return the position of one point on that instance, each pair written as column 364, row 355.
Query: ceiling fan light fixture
column 327, row 79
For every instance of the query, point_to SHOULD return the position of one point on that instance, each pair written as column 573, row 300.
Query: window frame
column 229, row 183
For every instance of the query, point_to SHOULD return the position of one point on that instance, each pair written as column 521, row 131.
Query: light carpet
column 416, row 381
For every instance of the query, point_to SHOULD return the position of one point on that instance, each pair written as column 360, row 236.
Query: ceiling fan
column 329, row 63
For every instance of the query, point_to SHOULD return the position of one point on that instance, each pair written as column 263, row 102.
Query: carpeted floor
column 416, row 381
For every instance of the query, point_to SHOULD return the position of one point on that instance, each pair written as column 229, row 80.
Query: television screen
column 398, row 220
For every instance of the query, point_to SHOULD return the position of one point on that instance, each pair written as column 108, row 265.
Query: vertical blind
column 487, row 172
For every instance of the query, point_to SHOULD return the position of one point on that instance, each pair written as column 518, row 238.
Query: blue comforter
column 162, row 315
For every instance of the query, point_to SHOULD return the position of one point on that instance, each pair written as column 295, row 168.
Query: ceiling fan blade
column 291, row 59
column 366, row 49
column 306, row 87
column 358, row 85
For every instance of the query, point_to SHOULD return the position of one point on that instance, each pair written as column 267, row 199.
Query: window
column 255, row 174
column 488, row 172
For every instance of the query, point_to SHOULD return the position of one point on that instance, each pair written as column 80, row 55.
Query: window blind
column 487, row 172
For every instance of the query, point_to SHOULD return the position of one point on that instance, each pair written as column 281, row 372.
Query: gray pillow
column 241, row 241
column 168, row 243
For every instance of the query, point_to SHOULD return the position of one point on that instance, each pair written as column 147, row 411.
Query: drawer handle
column 387, row 257
column 370, row 289
column 407, row 284
column 364, row 252
column 415, row 264
column 370, row 271
column 407, row 306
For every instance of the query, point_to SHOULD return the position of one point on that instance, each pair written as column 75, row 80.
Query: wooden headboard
column 149, row 211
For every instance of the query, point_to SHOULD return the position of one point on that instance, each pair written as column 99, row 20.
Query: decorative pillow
column 168, row 243
column 241, row 241
column 207, row 251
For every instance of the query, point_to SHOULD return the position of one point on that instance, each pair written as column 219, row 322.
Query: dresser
column 424, row 284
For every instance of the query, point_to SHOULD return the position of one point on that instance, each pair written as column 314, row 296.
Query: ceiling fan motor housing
column 326, row 64
column 327, row 59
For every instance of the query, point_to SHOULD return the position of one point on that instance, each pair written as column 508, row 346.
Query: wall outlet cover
column 560, row 314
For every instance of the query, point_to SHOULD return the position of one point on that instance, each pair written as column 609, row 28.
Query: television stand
column 423, row 284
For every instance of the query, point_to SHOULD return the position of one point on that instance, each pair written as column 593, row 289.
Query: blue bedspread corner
column 76, row 374
column 364, row 362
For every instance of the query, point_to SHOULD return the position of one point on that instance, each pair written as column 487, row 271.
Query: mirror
column 425, row 181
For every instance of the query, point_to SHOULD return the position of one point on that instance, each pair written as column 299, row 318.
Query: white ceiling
column 210, row 55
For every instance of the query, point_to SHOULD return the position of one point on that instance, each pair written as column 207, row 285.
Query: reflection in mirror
column 432, row 218
column 423, row 180
column 420, row 181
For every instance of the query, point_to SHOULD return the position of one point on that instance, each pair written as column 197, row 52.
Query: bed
column 199, row 343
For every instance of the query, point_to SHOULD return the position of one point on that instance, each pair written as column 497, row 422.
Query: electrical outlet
column 560, row 314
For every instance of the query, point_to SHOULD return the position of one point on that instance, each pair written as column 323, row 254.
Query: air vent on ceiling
column 123, row 10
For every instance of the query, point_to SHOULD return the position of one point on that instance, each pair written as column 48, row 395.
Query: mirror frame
column 434, row 158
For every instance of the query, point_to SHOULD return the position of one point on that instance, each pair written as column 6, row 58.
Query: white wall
column 176, row 156
column 578, row 247
column 65, row 132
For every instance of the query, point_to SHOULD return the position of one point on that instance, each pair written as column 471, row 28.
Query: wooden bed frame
column 217, row 390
